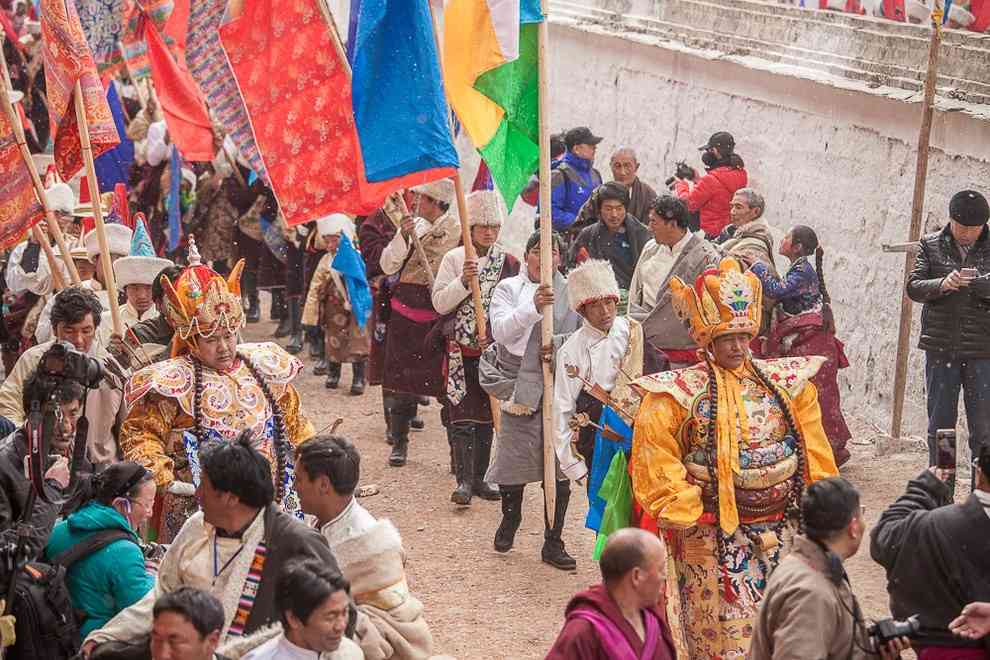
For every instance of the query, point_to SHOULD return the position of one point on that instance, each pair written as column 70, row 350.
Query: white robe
column 279, row 648
column 512, row 312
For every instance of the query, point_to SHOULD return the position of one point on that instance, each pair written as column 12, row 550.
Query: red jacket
column 711, row 196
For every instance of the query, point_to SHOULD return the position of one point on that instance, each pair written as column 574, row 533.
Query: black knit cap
column 969, row 208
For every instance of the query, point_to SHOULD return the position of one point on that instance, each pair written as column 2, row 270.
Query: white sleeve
column 565, row 394
column 44, row 330
column 39, row 282
column 448, row 290
column 394, row 254
column 510, row 318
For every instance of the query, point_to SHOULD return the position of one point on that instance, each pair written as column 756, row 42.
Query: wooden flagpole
column 546, row 266
column 917, row 206
column 39, row 189
column 480, row 318
column 94, row 194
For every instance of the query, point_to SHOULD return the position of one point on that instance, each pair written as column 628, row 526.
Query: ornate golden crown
column 723, row 301
column 200, row 302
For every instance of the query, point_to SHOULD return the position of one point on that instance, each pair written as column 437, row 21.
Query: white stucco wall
column 841, row 161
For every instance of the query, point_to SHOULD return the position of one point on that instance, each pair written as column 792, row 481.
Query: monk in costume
column 721, row 454
column 212, row 389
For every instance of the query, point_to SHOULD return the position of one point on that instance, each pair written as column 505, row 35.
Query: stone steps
column 873, row 51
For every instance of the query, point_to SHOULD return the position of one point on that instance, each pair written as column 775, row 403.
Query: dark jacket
column 596, row 242
column 14, row 489
column 579, row 639
column 956, row 324
column 937, row 557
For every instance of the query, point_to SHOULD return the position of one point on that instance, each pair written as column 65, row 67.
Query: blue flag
column 605, row 450
column 113, row 166
column 348, row 262
column 398, row 90
column 174, row 203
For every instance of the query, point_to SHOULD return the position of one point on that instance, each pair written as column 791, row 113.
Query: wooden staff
column 546, row 267
column 917, row 206
column 480, row 318
column 39, row 189
column 395, row 208
column 94, row 194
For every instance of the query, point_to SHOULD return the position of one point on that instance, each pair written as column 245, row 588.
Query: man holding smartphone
column 955, row 322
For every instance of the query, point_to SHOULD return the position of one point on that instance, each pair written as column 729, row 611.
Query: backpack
column 46, row 624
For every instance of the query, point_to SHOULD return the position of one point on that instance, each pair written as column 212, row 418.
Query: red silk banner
column 19, row 207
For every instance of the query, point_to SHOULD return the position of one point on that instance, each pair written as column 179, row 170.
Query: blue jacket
column 110, row 579
column 571, row 184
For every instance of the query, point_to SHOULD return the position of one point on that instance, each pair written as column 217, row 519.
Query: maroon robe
column 579, row 640
column 374, row 233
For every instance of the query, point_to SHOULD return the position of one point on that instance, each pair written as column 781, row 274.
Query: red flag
column 67, row 61
column 298, row 96
column 19, row 207
column 185, row 113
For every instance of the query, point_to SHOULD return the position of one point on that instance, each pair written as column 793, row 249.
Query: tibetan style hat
column 723, row 301
column 201, row 302
column 118, row 236
column 141, row 266
column 60, row 198
column 590, row 282
column 484, row 209
column 442, row 190
column 336, row 223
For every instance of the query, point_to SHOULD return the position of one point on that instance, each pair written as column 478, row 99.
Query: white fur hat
column 441, row 190
column 334, row 224
column 484, row 208
column 593, row 280
column 118, row 236
column 138, row 270
column 60, row 198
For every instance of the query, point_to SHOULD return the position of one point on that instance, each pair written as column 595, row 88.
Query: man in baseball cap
column 574, row 177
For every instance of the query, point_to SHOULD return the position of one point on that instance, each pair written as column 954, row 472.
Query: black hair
column 238, row 468
column 120, row 480
column 808, row 239
column 200, row 608
column 334, row 457
column 613, row 190
column 669, row 208
column 73, row 304
column 38, row 388
column 534, row 240
column 304, row 585
column 157, row 288
column 557, row 146
column 619, row 558
column 828, row 506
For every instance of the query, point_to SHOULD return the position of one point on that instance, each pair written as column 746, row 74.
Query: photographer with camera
column 75, row 317
column 711, row 195
column 808, row 608
column 937, row 557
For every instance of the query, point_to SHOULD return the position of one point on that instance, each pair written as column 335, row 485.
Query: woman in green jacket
column 114, row 577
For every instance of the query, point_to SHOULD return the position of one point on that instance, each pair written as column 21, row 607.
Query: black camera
column 887, row 630
column 683, row 171
column 62, row 361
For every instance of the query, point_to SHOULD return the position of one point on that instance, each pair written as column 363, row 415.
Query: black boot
column 277, row 311
column 252, row 313
column 320, row 368
column 482, row 455
column 357, row 378
column 333, row 375
column 461, row 437
column 417, row 423
column 280, row 312
column 553, row 552
column 400, row 412
column 295, row 346
column 388, row 417
column 316, row 345
column 505, row 536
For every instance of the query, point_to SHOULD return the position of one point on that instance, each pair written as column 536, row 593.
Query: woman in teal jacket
column 114, row 577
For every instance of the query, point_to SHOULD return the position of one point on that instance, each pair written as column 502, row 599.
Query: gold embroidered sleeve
column 659, row 478
column 297, row 425
column 808, row 416
column 144, row 435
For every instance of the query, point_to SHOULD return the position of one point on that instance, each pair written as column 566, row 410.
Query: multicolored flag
column 307, row 125
column 19, row 206
column 68, row 61
column 102, row 23
column 114, row 166
column 492, row 81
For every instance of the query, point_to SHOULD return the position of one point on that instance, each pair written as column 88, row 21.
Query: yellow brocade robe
column 161, row 403
column 712, row 603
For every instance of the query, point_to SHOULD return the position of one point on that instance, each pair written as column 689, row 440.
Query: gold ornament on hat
column 723, row 301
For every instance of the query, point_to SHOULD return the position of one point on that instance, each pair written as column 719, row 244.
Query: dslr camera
column 63, row 362
column 683, row 171
column 887, row 630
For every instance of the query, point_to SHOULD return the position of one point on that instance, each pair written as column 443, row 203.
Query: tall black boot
column 505, row 536
column 295, row 346
column 553, row 552
column 333, row 375
column 316, row 345
column 252, row 313
column 482, row 455
column 388, row 417
column 358, row 381
column 280, row 312
column 461, row 437
column 401, row 412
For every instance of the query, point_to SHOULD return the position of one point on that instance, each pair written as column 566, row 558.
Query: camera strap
column 37, row 430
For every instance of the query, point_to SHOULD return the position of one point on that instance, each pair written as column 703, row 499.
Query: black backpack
column 46, row 625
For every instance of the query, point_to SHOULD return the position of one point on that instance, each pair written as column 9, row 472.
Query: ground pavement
column 481, row 604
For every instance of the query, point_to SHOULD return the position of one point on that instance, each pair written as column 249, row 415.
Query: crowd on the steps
column 168, row 485
column 972, row 15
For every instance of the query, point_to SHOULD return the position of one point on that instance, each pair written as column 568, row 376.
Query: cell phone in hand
column 969, row 273
column 945, row 449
